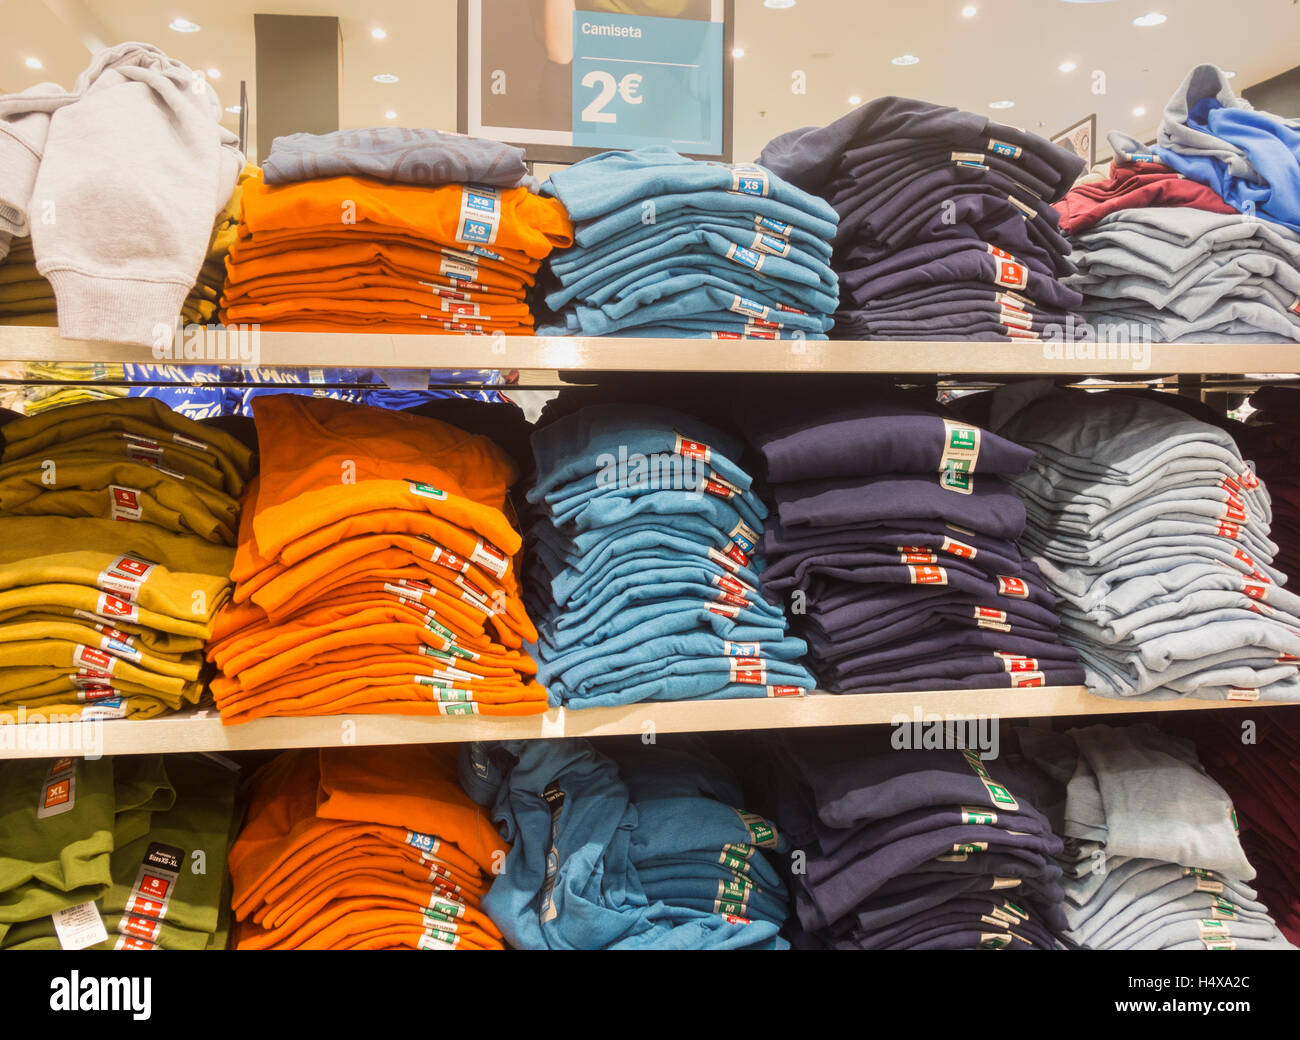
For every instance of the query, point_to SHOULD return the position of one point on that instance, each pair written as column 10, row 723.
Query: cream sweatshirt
column 130, row 169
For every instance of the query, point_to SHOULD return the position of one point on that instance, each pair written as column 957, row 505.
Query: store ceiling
column 1007, row 50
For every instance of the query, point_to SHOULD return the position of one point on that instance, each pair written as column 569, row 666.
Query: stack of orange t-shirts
column 364, row 849
column 375, row 571
column 358, row 254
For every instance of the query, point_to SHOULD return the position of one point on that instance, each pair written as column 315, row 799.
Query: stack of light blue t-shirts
column 667, row 246
column 909, row 848
column 1153, row 532
column 643, row 848
column 643, row 583
column 1190, row 275
column 1151, row 858
column 895, row 545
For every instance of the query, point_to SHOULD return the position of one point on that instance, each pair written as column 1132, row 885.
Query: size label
column 59, row 790
column 480, row 214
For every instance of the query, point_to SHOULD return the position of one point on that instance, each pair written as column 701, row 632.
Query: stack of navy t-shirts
column 1153, row 532
column 910, row 849
column 1151, row 857
column 643, row 580
column 946, row 225
column 1270, row 438
column 646, row 847
column 895, row 546
column 672, row 247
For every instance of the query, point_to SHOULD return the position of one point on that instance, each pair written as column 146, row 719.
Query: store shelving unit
column 542, row 359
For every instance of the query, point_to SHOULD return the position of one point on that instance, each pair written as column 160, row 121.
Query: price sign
column 645, row 81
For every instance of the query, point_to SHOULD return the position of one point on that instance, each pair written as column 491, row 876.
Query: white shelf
column 205, row 732
column 380, row 351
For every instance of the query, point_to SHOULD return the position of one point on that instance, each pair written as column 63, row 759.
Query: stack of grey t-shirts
column 1152, row 531
column 1152, row 860
column 894, row 544
column 1177, row 274
column 946, row 225
column 910, row 849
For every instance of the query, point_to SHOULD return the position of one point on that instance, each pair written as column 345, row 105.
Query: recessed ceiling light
column 385, row 77
column 184, row 25
column 34, row 63
column 905, row 59
column 969, row 12
column 234, row 110
column 390, row 114
column 379, row 34
column 1230, row 75
column 1154, row 18
column 214, row 73
column 737, row 52
column 1139, row 111
column 1002, row 104
column 854, row 99
column 1066, row 66
column 778, row 5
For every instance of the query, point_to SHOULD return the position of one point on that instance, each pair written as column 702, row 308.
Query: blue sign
column 647, row 81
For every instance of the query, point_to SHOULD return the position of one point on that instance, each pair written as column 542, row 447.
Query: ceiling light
column 778, row 5
column 1230, row 75
column 1139, row 111
column 34, row 63
column 969, row 12
column 854, row 99
column 905, row 59
column 1066, row 66
column 214, row 73
column 184, row 25
column 379, row 34
column 390, row 114
column 1154, row 18
column 737, row 52
column 385, row 77
column 1002, row 104
column 234, row 110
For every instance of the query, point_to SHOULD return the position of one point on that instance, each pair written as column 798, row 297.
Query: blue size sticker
column 641, row 81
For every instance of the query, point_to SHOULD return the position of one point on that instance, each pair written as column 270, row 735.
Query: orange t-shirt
column 511, row 218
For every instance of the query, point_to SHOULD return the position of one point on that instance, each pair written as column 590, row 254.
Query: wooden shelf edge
column 204, row 731
column 577, row 353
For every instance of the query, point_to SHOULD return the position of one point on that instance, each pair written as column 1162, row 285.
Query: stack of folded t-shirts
column 1153, row 532
column 1261, row 779
column 200, row 307
column 364, row 849
column 1270, row 439
column 643, row 848
column 644, row 583
column 26, row 298
column 910, row 849
column 1163, row 248
column 121, row 853
column 1152, row 858
column 374, row 571
column 946, row 228
column 895, row 545
column 668, row 246
column 116, row 525
column 389, row 230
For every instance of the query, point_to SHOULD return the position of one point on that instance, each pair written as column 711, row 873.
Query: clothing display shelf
column 202, row 731
column 613, row 354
